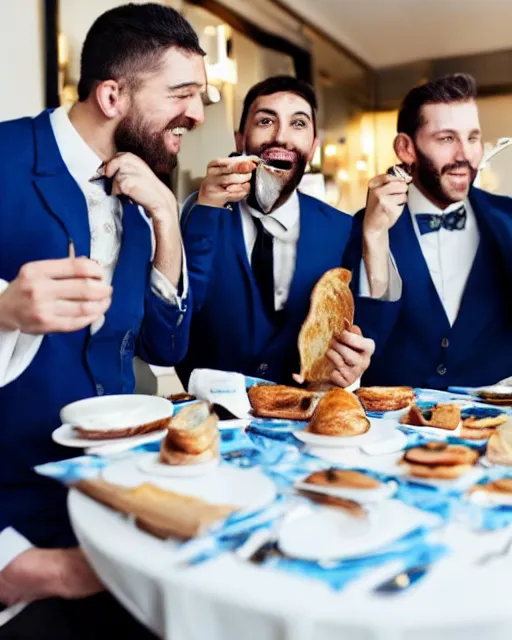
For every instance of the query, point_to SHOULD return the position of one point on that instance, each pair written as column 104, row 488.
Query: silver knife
column 403, row 580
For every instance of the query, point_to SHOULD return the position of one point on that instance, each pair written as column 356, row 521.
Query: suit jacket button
column 99, row 389
column 441, row 370
column 445, row 343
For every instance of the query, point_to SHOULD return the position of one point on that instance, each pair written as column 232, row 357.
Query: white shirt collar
column 81, row 161
column 418, row 203
column 287, row 214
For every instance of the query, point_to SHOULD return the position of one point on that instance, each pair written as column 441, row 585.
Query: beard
column 430, row 178
column 282, row 187
column 134, row 135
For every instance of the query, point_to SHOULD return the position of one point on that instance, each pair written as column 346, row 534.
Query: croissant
column 339, row 413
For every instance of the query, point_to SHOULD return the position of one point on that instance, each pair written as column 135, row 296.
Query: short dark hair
column 131, row 39
column 276, row 84
column 459, row 87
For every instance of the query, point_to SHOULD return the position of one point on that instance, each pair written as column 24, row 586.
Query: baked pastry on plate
column 280, row 401
column 439, row 460
column 339, row 413
column 441, row 416
column 385, row 398
column 192, row 436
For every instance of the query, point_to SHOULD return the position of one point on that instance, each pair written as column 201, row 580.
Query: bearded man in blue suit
column 447, row 317
column 253, row 264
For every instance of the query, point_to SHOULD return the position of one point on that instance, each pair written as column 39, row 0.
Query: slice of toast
column 330, row 313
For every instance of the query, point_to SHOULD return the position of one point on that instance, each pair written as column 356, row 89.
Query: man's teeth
column 178, row 131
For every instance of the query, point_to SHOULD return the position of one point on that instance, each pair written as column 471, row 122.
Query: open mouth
column 283, row 165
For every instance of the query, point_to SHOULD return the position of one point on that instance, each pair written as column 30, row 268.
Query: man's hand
column 386, row 199
column 385, row 203
column 45, row 573
column 134, row 179
column 350, row 354
column 227, row 180
column 52, row 296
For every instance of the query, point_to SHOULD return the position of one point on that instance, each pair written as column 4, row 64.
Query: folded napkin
column 222, row 388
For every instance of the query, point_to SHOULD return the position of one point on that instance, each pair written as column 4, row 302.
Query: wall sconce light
column 220, row 68
column 212, row 95
column 330, row 150
column 362, row 165
column 343, row 175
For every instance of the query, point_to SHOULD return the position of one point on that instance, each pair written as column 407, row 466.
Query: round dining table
column 227, row 598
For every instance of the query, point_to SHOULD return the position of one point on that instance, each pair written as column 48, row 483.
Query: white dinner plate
column 463, row 483
column 491, row 499
column 326, row 534
column 379, row 431
column 104, row 413
column 247, row 489
column 67, row 437
column 150, row 463
column 436, row 431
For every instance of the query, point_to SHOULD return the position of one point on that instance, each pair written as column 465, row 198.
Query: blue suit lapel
column 59, row 190
column 417, row 281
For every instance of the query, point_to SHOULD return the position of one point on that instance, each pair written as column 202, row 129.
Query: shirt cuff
column 161, row 286
column 394, row 290
column 12, row 544
column 17, row 350
column 355, row 385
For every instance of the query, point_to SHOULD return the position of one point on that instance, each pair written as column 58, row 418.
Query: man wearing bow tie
column 441, row 316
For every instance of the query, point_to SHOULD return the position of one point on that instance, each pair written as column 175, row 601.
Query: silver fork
column 494, row 555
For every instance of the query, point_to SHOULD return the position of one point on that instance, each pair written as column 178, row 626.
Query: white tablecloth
column 227, row 599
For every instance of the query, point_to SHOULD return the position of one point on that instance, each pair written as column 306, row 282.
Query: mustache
column 462, row 164
column 182, row 122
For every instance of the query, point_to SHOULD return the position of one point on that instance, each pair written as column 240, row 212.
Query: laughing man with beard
column 448, row 317
column 256, row 246
column 87, row 180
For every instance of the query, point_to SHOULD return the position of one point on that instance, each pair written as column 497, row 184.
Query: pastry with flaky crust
column 385, row 398
column 280, row 401
column 439, row 460
column 442, row 415
column 339, row 413
column 346, row 478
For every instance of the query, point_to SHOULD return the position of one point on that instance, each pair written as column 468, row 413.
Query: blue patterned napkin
column 410, row 551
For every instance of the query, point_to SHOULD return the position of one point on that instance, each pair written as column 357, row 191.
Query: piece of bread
column 441, row 454
column 174, row 456
column 442, row 472
column 280, row 401
column 342, row 478
column 468, row 433
column 442, row 416
column 385, row 398
column 193, row 429
column 484, row 423
column 181, row 397
column 499, row 445
column 339, row 413
column 128, row 432
column 330, row 313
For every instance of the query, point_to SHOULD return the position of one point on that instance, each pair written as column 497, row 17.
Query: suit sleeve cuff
column 394, row 290
column 12, row 544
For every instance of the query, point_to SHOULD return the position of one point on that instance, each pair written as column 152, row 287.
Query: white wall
column 21, row 58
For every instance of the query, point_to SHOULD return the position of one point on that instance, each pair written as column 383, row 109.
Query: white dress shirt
column 284, row 225
column 105, row 221
column 449, row 254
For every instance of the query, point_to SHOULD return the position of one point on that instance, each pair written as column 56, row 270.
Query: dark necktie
column 453, row 221
column 262, row 263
